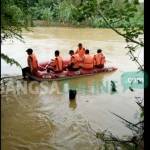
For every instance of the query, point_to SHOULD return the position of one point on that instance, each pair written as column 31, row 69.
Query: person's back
column 32, row 61
column 59, row 63
column 103, row 59
column 88, row 61
column 99, row 59
column 74, row 61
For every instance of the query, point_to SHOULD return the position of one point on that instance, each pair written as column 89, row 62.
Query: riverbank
column 44, row 23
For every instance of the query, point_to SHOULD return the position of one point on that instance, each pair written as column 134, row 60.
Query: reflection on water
column 93, row 85
column 40, row 116
column 73, row 104
column 52, row 121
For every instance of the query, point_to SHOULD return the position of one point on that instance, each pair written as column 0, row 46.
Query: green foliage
column 120, row 13
column 96, row 22
column 10, row 61
column 66, row 11
column 86, row 10
column 11, row 20
column 15, row 15
column 46, row 14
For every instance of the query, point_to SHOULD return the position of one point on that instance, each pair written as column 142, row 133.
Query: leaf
column 10, row 61
column 126, row 1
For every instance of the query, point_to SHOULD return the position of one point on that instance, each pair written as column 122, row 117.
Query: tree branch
column 135, row 59
column 130, row 39
column 126, row 121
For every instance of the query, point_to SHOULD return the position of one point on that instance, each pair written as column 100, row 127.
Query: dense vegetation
column 76, row 12
column 86, row 12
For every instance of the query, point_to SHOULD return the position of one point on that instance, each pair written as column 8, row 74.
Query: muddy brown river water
column 32, row 120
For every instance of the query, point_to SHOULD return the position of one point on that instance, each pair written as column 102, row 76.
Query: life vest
column 81, row 52
column 58, row 63
column 32, row 62
column 76, row 60
column 88, row 62
column 99, row 59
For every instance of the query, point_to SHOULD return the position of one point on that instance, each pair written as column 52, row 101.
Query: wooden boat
column 43, row 75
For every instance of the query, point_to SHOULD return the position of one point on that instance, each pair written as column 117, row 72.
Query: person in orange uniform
column 57, row 63
column 80, row 50
column 32, row 61
column 88, row 62
column 74, row 63
column 32, row 64
column 99, row 59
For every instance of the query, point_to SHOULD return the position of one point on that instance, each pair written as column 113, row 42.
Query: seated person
column 32, row 63
column 57, row 63
column 99, row 59
column 88, row 62
column 74, row 61
column 80, row 50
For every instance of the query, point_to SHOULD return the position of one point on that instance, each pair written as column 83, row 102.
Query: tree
column 85, row 10
column 14, row 17
column 131, row 32
column 12, row 22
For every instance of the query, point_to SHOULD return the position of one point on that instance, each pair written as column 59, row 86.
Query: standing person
column 74, row 62
column 32, row 63
column 80, row 50
column 99, row 59
column 57, row 63
column 88, row 62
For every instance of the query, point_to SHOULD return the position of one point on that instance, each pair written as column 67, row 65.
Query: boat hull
column 43, row 75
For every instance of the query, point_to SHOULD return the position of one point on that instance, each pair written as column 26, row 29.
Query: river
column 32, row 121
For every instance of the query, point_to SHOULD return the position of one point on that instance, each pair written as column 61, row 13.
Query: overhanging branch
column 129, row 39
